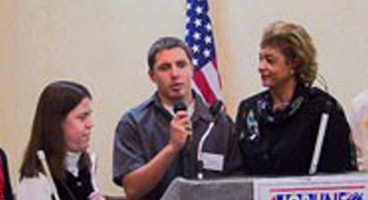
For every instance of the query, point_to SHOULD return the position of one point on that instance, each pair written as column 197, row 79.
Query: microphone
column 215, row 109
column 41, row 155
column 320, row 137
column 181, row 106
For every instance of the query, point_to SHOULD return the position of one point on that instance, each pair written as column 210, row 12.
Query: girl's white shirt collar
column 71, row 162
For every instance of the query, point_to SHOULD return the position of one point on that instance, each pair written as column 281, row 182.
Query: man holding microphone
column 151, row 140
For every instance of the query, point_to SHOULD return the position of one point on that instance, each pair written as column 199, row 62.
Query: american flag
column 199, row 37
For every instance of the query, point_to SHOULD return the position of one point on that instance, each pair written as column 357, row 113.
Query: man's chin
column 176, row 96
column 177, row 93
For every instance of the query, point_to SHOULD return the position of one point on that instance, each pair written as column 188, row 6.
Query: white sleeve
column 359, row 127
column 35, row 188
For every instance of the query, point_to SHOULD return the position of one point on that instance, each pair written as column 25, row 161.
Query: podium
column 349, row 186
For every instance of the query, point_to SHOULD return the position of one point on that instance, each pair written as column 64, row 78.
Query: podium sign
column 350, row 186
column 327, row 187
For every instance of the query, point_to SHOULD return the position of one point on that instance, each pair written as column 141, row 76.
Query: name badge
column 212, row 161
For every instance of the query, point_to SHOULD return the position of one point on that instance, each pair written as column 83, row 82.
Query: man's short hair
column 166, row 43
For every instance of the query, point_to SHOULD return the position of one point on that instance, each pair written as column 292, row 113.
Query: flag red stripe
column 203, row 86
column 199, row 37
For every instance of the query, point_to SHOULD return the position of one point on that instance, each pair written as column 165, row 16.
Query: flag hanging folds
column 199, row 37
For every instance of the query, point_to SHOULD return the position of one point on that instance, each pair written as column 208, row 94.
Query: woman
column 278, row 127
column 6, row 191
column 61, row 128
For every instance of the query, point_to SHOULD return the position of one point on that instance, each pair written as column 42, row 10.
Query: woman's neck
column 282, row 96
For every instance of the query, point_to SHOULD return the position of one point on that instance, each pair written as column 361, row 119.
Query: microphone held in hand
column 188, row 149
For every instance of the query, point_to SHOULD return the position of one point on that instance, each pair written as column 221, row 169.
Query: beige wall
column 103, row 44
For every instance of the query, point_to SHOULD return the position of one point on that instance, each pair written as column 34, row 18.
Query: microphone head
column 179, row 105
column 216, row 108
column 41, row 155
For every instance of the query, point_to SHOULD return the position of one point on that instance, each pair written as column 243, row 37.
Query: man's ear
column 151, row 74
column 192, row 71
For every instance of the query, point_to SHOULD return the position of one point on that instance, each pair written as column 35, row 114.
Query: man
column 153, row 145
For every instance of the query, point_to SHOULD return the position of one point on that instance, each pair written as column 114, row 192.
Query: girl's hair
column 55, row 103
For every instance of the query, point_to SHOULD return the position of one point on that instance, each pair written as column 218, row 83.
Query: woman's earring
column 292, row 72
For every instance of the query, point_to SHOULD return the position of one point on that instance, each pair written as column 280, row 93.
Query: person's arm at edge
column 34, row 188
column 7, row 183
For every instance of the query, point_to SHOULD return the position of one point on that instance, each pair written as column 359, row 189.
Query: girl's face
column 77, row 126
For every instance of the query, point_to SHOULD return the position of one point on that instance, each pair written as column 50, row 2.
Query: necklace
column 280, row 106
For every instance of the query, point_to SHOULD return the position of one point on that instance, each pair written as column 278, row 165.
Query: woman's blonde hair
column 296, row 45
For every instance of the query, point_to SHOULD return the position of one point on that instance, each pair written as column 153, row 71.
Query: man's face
column 172, row 72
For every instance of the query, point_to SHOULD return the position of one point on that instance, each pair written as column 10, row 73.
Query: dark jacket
column 282, row 142
column 75, row 188
column 8, row 192
column 144, row 131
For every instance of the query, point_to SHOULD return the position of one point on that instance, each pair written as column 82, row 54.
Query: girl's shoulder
column 34, row 188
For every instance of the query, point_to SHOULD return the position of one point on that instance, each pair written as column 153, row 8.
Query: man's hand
column 179, row 129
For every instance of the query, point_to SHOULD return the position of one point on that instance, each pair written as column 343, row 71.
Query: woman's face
column 77, row 126
column 274, row 69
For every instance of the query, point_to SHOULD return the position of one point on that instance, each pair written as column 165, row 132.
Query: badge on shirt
column 252, row 126
column 212, row 161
